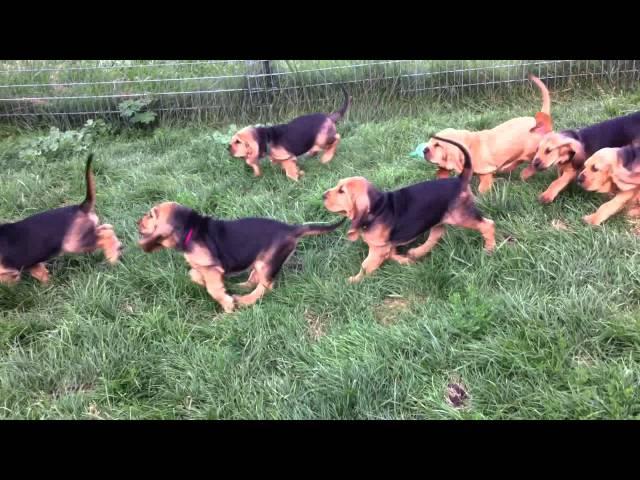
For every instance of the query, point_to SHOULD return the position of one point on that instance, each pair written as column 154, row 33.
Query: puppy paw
column 546, row 198
column 591, row 219
column 229, row 304
column 527, row 173
column 355, row 279
column 353, row 235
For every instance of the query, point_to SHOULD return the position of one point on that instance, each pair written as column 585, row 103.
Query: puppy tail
column 317, row 228
column 467, row 169
column 89, row 202
column 339, row 115
column 546, row 98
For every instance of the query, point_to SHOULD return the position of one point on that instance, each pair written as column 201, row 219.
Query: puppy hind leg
column 330, row 150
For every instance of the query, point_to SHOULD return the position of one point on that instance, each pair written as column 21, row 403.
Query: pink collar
column 187, row 239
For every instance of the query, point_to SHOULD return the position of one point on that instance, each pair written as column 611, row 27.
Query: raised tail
column 89, row 203
column 467, row 169
column 546, row 98
column 339, row 115
column 317, row 228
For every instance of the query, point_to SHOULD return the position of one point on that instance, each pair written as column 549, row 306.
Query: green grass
column 546, row 327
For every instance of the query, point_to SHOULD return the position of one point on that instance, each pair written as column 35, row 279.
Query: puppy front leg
column 214, row 282
column 434, row 236
column 401, row 259
column 610, row 208
column 108, row 243
column 40, row 273
column 486, row 181
column 634, row 206
column 290, row 166
column 9, row 276
column 254, row 163
column 251, row 282
column 558, row 185
column 329, row 153
column 196, row 277
column 527, row 173
column 376, row 257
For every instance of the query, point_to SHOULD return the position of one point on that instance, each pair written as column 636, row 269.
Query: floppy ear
column 360, row 206
column 151, row 243
column 455, row 155
column 627, row 166
column 250, row 145
column 544, row 124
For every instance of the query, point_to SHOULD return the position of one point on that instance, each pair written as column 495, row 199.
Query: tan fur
column 350, row 198
column 498, row 150
column 604, row 173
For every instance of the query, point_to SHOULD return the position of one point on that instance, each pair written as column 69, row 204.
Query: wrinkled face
column 349, row 198
column 243, row 144
column 554, row 148
column 596, row 176
column 155, row 228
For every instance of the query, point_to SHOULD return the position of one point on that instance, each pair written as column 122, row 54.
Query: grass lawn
column 546, row 327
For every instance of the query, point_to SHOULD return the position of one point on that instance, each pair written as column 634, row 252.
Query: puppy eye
column 593, row 168
column 547, row 151
column 341, row 190
column 237, row 141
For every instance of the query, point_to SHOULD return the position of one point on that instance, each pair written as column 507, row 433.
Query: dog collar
column 187, row 238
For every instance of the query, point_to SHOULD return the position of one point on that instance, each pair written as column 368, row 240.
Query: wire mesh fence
column 68, row 92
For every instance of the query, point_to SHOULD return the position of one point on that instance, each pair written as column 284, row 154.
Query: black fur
column 613, row 133
column 35, row 239
column 236, row 244
column 631, row 158
column 38, row 238
column 413, row 210
column 299, row 135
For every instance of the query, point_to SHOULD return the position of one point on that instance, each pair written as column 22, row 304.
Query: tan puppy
column 498, row 150
column 613, row 171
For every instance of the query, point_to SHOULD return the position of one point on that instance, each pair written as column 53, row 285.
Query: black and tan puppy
column 613, row 171
column 27, row 244
column 215, row 248
column 307, row 134
column 387, row 220
column 569, row 149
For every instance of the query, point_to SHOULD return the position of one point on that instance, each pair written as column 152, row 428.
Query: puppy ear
column 456, row 156
column 250, row 145
column 360, row 205
column 544, row 124
column 151, row 243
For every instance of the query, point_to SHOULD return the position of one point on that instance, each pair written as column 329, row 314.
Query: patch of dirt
column 317, row 325
column 387, row 313
column 457, row 394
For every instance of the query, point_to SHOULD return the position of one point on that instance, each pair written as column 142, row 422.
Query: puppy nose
column 536, row 162
column 425, row 152
column 324, row 195
column 581, row 178
column 229, row 147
